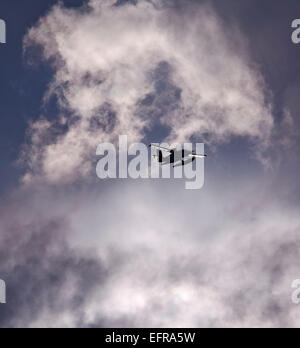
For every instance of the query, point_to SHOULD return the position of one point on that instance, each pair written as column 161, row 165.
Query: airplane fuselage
column 174, row 157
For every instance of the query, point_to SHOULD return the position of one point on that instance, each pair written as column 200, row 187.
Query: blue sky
column 21, row 86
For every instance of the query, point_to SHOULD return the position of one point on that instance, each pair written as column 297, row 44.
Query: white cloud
column 104, row 59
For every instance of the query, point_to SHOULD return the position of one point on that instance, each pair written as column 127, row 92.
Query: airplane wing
column 197, row 156
column 161, row 148
column 183, row 163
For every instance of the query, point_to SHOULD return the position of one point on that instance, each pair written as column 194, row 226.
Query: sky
column 77, row 251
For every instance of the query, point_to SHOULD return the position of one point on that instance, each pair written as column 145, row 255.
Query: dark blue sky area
column 21, row 87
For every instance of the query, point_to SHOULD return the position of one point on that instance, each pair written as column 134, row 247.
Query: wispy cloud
column 210, row 267
column 125, row 69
